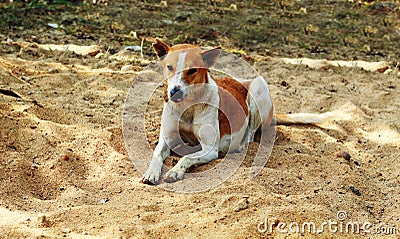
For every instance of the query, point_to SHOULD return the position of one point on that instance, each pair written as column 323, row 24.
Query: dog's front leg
column 167, row 140
column 161, row 152
column 208, row 136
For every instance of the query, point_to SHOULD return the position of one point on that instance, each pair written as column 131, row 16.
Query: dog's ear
column 210, row 56
column 161, row 48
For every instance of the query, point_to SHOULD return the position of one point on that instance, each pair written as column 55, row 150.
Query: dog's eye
column 192, row 71
column 170, row 68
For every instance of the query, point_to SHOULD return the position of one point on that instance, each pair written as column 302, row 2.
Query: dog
column 208, row 115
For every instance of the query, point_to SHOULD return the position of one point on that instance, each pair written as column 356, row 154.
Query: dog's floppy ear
column 210, row 56
column 161, row 48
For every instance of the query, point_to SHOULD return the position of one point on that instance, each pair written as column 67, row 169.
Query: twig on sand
column 17, row 95
column 141, row 48
column 3, row 65
column 13, row 93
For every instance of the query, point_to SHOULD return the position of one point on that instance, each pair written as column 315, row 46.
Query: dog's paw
column 151, row 176
column 173, row 176
column 149, row 181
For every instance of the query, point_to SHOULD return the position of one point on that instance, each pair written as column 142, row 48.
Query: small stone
column 167, row 21
column 99, row 55
column 127, row 68
column 303, row 10
column 104, row 200
column 344, row 155
column 388, row 72
column 285, row 84
column 355, row 190
column 41, row 218
column 66, row 230
column 242, row 205
column 133, row 48
column 52, row 25
column 164, row 3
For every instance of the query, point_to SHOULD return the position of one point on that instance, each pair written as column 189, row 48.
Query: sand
column 65, row 171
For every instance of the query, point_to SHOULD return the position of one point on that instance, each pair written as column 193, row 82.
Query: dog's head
column 184, row 66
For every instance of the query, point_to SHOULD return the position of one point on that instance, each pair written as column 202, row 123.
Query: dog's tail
column 309, row 118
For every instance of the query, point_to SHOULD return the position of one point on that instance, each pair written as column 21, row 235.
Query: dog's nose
column 176, row 94
column 174, row 90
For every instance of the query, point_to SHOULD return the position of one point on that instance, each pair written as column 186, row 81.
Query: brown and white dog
column 212, row 115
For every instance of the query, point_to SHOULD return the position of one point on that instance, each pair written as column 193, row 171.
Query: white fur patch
column 232, row 142
column 176, row 80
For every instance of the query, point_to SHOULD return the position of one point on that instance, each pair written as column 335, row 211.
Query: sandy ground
column 63, row 156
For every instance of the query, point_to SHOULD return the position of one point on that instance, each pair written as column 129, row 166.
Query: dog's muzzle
column 176, row 94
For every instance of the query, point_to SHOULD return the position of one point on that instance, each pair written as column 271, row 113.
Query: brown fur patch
column 231, row 117
column 165, row 93
column 199, row 77
column 188, row 137
column 181, row 47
